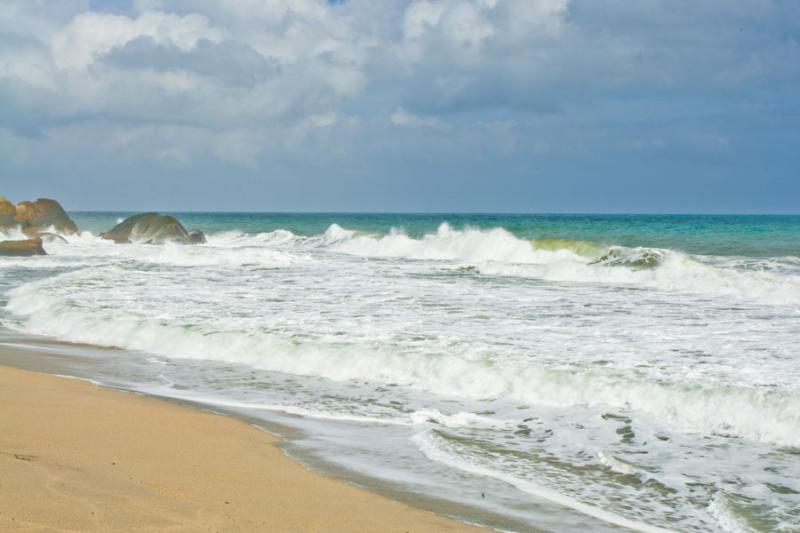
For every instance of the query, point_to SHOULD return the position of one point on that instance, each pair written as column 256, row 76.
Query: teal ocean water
column 739, row 235
column 553, row 372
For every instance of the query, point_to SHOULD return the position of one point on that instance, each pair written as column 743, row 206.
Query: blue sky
column 402, row 105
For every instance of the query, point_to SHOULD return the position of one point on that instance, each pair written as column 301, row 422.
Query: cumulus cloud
column 242, row 80
column 89, row 36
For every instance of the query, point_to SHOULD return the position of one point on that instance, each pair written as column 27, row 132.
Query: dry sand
column 75, row 457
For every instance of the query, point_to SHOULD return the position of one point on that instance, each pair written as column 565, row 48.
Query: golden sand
column 75, row 457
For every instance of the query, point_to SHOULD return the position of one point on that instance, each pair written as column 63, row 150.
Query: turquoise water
column 744, row 235
column 555, row 372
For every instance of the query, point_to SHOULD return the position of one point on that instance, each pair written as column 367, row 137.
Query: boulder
column 197, row 237
column 22, row 248
column 42, row 215
column 152, row 228
column 8, row 212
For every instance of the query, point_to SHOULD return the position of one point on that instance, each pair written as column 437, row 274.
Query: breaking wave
column 491, row 252
column 88, row 249
column 499, row 252
column 739, row 411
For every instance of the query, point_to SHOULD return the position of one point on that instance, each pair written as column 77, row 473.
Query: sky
column 402, row 105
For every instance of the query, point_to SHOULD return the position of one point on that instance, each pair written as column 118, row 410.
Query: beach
column 416, row 265
column 76, row 457
column 521, row 372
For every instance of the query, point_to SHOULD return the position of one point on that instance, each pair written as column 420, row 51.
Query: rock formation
column 35, row 217
column 22, row 248
column 7, row 213
column 197, row 237
column 152, row 228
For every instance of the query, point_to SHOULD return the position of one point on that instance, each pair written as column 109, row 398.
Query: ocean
column 526, row 372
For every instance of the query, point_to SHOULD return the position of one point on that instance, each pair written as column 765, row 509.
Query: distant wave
column 494, row 252
column 500, row 253
column 88, row 249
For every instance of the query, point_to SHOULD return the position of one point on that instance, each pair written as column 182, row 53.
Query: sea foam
column 617, row 370
column 755, row 413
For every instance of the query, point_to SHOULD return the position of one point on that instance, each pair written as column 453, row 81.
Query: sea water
column 560, row 372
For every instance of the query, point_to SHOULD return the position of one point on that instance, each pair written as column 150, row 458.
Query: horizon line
column 460, row 213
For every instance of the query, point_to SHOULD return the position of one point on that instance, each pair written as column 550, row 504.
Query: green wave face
column 637, row 258
column 583, row 248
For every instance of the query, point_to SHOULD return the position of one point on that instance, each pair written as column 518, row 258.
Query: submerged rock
column 152, row 228
column 42, row 215
column 22, row 248
column 637, row 258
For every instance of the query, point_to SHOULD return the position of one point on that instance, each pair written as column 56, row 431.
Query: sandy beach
column 76, row 457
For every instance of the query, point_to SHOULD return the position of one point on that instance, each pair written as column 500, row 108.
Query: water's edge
column 45, row 356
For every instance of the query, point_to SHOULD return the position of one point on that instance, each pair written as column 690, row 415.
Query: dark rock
column 42, row 215
column 197, row 237
column 22, row 248
column 150, row 228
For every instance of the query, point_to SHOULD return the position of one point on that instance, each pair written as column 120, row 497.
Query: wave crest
column 755, row 413
column 498, row 252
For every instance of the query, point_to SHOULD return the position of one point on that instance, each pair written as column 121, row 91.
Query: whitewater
column 552, row 372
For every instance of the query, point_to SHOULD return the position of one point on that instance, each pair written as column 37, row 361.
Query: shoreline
column 85, row 362
column 110, row 459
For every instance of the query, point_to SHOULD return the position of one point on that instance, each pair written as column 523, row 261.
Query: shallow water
column 558, row 372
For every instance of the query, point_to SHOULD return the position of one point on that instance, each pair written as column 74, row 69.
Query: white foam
column 238, row 238
column 494, row 252
column 12, row 234
column 87, row 248
column 456, row 420
column 755, row 413
column 622, row 467
column 435, row 453
column 288, row 409
column 498, row 252
column 446, row 244
column 692, row 349
column 727, row 519
column 421, row 417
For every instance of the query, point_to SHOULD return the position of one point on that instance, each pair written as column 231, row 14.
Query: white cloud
column 235, row 79
column 401, row 117
column 422, row 17
column 91, row 35
column 322, row 120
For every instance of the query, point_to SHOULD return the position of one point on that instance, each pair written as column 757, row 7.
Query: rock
column 197, row 237
column 8, row 213
column 42, row 215
column 151, row 228
column 22, row 248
